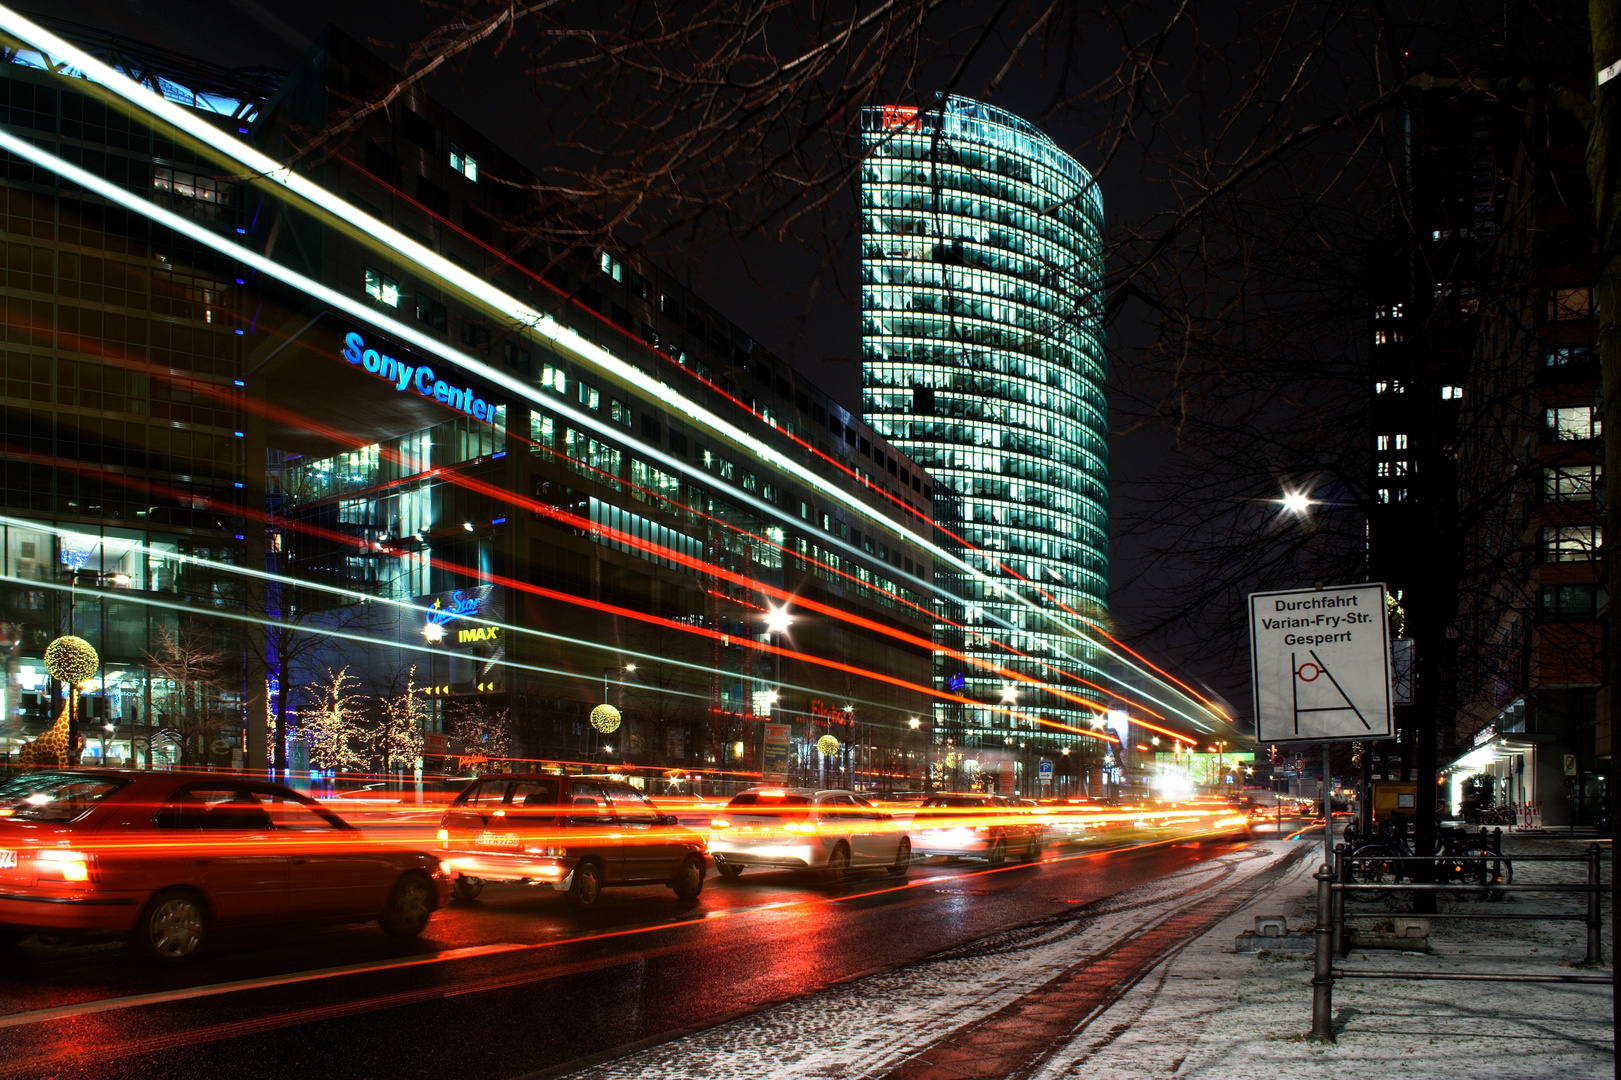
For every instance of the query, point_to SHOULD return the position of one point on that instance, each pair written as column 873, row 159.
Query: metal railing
column 1333, row 884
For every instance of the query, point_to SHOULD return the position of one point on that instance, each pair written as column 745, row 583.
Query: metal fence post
column 1342, row 875
column 1322, row 980
column 1595, row 927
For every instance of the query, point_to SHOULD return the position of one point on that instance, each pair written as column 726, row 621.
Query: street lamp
column 1296, row 503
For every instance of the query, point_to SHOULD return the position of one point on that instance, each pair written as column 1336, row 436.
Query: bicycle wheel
column 1371, row 864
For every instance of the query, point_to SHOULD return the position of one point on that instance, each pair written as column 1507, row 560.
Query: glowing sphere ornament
column 605, row 718
column 828, row 745
column 71, row 659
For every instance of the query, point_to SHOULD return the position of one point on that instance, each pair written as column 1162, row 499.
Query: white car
column 802, row 829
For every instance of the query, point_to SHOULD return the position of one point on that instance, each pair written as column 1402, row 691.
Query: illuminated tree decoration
column 828, row 745
column 71, row 659
column 605, row 718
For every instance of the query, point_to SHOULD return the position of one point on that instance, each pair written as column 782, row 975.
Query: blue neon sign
column 403, row 376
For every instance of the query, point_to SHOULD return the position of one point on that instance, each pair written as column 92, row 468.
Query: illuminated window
column 554, row 377
column 383, row 289
column 1384, row 495
column 1451, row 393
column 619, row 411
column 1565, row 305
column 1571, row 423
column 1572, row 543
column 1401, row 442
column 1386, row 337
column 189, row 186
column 1384, row 468
column 1572, row 483
column 588, row 394
column 612, row 267
column 1383, row 442
column 463, row 163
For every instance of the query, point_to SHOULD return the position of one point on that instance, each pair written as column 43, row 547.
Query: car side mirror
column 669, row 819
column 887, row 817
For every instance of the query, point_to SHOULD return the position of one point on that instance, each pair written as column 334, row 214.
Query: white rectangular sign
column 1320, row 664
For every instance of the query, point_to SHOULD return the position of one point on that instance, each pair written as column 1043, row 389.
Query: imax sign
column 403, row 376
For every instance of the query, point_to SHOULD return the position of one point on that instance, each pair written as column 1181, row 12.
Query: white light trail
column 268, row 170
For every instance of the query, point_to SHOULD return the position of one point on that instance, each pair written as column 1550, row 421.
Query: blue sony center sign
column 420, row 377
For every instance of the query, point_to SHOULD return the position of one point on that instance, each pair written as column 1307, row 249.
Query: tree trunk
column 1604, row 176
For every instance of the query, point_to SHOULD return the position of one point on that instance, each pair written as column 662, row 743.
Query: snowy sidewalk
column 1210, row 1012
column 1016, row 1004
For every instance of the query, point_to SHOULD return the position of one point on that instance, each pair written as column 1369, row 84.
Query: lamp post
column 777, row 622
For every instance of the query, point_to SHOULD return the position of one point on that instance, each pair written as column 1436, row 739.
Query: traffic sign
column 1045, row 770
column 1320, row 664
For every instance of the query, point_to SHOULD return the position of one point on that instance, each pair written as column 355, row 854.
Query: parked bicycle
column 1469, row 859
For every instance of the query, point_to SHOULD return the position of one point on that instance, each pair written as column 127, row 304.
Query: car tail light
column 548, row 852
column 72, row 865
column 982, row 828
column 719, row 823
column 799, row 826
column 444, row 836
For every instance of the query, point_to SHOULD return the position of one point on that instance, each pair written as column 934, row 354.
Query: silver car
column 802, row 829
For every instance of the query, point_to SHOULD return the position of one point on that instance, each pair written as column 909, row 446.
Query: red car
column 167, row 858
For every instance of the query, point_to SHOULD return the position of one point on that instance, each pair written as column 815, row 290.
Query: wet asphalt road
column 514, row 983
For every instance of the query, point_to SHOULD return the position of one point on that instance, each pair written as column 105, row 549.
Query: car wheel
column 173, row 927
column 409, row 906
column 689, row 879
column 585, row 888
column 903, row 858
column 838, row 864
column 998, row 853
column 729, row 870
column 1032, row 851
column 467, row 888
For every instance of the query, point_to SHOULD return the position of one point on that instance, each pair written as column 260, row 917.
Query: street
column 514, row 983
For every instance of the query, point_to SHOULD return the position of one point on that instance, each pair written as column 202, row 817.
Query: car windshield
column 54, row 797
column 934, row 804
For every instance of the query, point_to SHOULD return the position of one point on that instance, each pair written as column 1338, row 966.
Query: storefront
column 1514, row 768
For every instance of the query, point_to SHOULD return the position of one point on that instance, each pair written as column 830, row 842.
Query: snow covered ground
column 1204, row 1011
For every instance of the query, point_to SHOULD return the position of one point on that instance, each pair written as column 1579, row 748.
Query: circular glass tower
column 982, row 358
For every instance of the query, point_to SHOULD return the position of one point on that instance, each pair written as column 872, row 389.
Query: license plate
column 490, row 839
column 8, row 860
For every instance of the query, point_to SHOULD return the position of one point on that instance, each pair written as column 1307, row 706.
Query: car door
column 224, row 833
column 331, row 870
column 646, row 846
column 876, row 833
column 531, row 813
column 837, row 815
column 592, row 829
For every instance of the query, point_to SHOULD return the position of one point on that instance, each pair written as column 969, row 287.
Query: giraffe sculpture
column 51, row 748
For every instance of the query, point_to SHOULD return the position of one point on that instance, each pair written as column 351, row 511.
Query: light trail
column 355, row 222
column 106, row 1005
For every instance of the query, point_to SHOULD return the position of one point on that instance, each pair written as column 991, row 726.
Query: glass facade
column 982, row 359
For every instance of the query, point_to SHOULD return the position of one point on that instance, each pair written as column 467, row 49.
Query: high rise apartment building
column 983, row 359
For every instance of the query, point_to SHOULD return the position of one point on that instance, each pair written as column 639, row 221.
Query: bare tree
column 190, row 665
